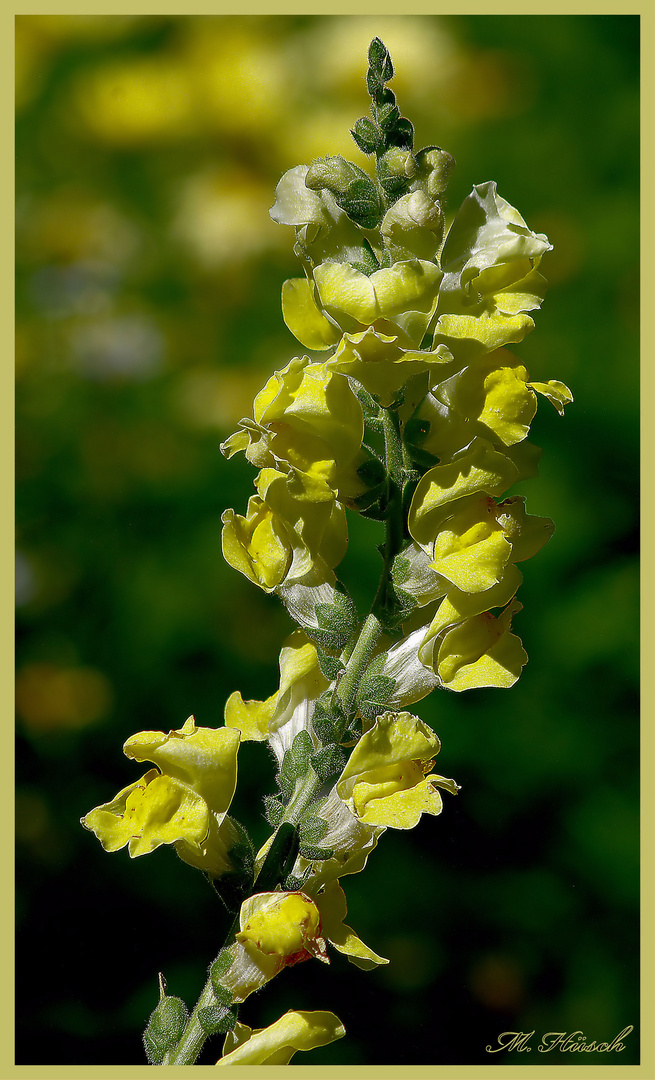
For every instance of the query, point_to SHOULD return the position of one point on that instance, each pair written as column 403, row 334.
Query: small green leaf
column 330, row 665
column 216, row 1019
column 274, row 809
column 329, row 761
column 165, row 1027
column 312, row 829
column 317, row 854
column 366, row 135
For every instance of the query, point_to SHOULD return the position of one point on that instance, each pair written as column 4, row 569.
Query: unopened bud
column 165, row 1027
column 366, row 135
column 352, row 189
column 395, row 170
column 435, row 167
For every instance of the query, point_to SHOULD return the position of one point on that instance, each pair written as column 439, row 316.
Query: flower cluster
column 418, row 418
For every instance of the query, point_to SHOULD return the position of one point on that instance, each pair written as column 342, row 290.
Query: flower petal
column 205, row 759
column 276, row 1044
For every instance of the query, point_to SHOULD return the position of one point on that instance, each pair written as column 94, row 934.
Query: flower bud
column 435, row 167
column 165, row 1027
column 352, row 189
column 286, row 925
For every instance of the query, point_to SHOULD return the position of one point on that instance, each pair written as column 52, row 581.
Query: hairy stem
column 194, row 1036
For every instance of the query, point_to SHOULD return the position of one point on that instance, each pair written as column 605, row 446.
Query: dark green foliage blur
column 148, row 288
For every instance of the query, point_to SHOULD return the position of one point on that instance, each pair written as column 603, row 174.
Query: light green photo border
column 646, row 1070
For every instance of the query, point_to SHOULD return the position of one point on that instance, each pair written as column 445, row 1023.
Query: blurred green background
column 148, row 287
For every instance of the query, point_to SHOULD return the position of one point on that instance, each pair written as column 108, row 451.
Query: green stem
column 358, row 662
column 358, row 657
column 194, row 1035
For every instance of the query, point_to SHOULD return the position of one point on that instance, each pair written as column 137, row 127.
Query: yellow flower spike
column 184, row 804
column 331, row 903
column 282, row 924
column 276, row 1044
column 479, row 468
column 384, row 781
column 482, row 652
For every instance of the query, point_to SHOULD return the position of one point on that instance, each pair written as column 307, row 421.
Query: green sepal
column 372, row 472
column 236, row 884
column 302, row 749
column 373, row 498
column 288, row 774
column 165, row 1027
column 374, row 689
column 217, row 1019
column 337, row 622
column 292, row 883
column 329, row 761
column 409, row 487
column 273, row 809
column 371, row 408
column 280, row 857
column 312, row 830
column 324, row 720
column 366, row 135
column 368, row 263
column 377, row 511
column 401, row 606
column 399, row 570
column 217, row 971
column 373, row 695
column 329, row 665
column 388, row 115
column 220, row 967
column 402, row 134
column 317, row 854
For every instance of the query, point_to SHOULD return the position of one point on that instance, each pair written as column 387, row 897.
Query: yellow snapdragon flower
column 400, row 298
column 289, row 709
column 476, row 542
column 276, row 1044
column 380, row 362
column 308, row 417
column 386, row 781
column 280, row 929
column 493, row 397
column 467, row 647
column 183, row 801
column 491, row 280
column 292, row 526
column 478, row 468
